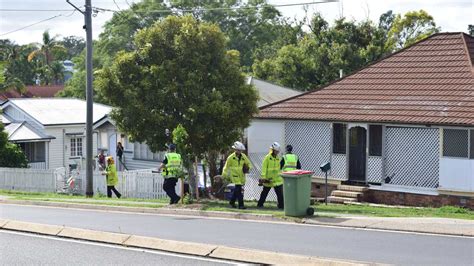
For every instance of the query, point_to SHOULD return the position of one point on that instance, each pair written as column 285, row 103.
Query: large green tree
column 316, row 59
column 179, row 73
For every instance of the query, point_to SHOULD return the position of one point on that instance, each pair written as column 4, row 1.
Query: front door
column 357, row 154
column 113, row 146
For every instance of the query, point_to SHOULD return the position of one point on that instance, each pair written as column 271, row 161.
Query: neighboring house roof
column 269, row 92
column 22, row 132
column 58, row 111
column 430, row 82
column 33, row 92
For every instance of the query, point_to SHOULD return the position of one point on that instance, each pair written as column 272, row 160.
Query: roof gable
column 430, row 82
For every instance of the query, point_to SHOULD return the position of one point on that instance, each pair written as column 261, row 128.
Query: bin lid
column 298, row 172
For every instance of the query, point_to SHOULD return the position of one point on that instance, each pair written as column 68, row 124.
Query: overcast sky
column 450, row 15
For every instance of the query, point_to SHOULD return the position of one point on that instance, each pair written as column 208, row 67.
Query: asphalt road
column 328, row 242
column 30, row 249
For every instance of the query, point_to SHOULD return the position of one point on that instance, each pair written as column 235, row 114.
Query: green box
column 297, row 193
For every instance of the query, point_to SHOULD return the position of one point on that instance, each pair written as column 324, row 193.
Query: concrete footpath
column 189, row 248
column 441, row 226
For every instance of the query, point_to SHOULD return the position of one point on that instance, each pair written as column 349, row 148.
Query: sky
column 450, row 15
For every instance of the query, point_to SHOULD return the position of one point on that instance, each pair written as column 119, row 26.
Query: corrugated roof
column 33, row 92
column 431, row 82
column 269, row 92
column 58, row 111
column 21, row 132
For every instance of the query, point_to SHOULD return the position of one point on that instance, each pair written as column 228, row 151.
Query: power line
column 220, row 8
column 34, row 10
column 36, row 23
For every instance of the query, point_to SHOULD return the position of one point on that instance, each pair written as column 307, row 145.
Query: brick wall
column 318, row 189
column 411, row 199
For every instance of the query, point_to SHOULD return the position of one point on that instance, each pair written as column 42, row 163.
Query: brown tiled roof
column 430, row 82
column 33, row 92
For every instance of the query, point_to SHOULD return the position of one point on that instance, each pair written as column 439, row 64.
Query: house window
column 339, row 138
column 375, row 140
column 456, row 143
column 34, row 151
column 76, row 147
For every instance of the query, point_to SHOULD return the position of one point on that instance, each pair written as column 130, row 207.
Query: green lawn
column 366, row 210
column 330, row 210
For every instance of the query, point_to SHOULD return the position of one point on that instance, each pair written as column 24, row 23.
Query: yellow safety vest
column 173, row 165
column 233, row 168
column 291, row 160
column 271, row 171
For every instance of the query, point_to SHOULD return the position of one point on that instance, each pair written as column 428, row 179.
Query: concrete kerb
column 180, row 247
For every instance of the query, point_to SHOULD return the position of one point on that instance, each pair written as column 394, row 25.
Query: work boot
column 232, row 204
column 242, row 207
column 177, row 200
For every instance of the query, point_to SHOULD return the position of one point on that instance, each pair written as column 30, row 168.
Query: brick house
column 402, row 127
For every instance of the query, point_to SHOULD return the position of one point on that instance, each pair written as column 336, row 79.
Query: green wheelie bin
column 297, row 193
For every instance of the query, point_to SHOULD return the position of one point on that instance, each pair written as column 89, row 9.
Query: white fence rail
column 132, row 184
column 25, row 179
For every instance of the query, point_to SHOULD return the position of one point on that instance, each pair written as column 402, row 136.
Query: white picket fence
column 132, row 184
column 26, row 179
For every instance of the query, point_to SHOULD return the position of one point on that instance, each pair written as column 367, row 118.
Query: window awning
column 22, row 132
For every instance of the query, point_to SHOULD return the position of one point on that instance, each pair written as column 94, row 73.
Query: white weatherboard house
column 402, row 126
column 49, row 130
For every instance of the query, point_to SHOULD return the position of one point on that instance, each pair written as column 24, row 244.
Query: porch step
column 352, row 188
column 346, row 194
column 334, row 199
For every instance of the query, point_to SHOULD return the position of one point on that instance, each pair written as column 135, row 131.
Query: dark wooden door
column 357, row 154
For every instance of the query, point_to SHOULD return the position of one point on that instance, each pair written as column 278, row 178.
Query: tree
column 11, row 155
column 17, row 70
column 316, row 59
column 49, row 50
column 412, row 27
column 74, row 45
column 470, row 28
column 179, row 73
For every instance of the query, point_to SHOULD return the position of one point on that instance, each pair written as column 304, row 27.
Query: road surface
column 328, row 242
column 30, row 249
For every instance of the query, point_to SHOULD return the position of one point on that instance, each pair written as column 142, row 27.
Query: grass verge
column 330, row 210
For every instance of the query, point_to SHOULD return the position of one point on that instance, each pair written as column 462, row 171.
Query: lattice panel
column 311, row 141
column 374, row 170
column 338, row 166
column 252, row 190
column 413, row 156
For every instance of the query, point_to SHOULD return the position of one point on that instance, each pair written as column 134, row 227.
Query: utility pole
column 88, row 27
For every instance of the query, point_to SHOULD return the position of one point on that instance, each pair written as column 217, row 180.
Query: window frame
column 470, row 143
column 76, row 145
column 380, row 139
column 339, row 147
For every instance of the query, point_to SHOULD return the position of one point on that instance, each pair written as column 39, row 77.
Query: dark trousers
column 237, row 196
column 169, row 186
column 278, row 192
column 109, row 192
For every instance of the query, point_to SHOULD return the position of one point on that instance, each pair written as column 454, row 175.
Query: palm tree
column 47, row 49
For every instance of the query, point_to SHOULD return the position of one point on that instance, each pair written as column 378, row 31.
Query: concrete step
column 346, row 194
column 334, row 199
column 352, row 188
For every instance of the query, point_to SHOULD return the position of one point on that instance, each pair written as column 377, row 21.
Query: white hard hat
column 275, row 146
column 238, row 146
